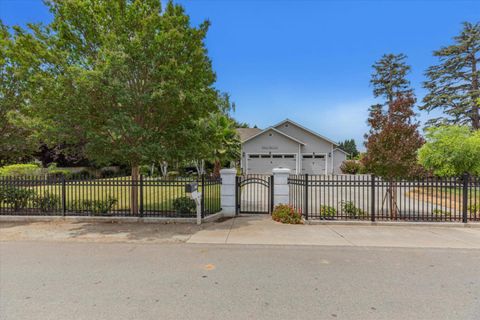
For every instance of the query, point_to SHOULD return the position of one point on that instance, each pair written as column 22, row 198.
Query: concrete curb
column 89, row 219
column 394, row 224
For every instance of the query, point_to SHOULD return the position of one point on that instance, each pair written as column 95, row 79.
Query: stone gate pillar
column 227, row 192
column 280, row 186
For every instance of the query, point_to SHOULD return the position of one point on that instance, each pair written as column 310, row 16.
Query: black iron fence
column 366, row 197
column 156, row 197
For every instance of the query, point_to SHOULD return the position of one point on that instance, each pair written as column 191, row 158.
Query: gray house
column 289, row 145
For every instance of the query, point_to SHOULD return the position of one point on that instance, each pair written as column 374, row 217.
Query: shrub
column 16, row 197
column 15, row 170
column 108, row 173
column 440, row 213
column 474, row 208
column 327, row 212
column 286, row 214
column 59, row 173
column 47, row 203
column 349, row 208
column 351, row 167
column 84, row 174
column 184, row 205
column 94, row 206
column 173, row 174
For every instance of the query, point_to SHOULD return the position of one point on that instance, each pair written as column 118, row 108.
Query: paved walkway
column 261, row 229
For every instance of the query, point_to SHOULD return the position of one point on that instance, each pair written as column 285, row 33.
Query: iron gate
column 254, row 193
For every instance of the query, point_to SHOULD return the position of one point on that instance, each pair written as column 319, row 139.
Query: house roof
column 308, row 130
column 246, row 133
column 277, row 131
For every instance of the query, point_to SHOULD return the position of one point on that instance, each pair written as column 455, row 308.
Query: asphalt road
column 43, row 280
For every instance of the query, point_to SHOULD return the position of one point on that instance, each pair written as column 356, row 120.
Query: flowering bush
column 285, row 213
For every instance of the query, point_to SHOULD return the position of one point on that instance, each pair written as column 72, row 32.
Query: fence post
column 466, row 179
column 372, row 187
column 305, row 204
column 141, row 195
column 202, row 200
column 227, row 192
column 64, row 197
column 272, row 194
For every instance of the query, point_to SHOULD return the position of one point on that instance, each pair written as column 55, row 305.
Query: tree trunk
column 134, row 190
column 216, row 169
column 392, row 199
column 164, row 169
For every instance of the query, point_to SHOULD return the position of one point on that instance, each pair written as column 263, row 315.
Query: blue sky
column 308, row 60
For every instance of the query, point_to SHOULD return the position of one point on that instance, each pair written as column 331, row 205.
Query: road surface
column 71, row 280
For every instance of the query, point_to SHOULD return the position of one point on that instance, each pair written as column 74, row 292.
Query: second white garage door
column 314, row 164
column 264, row 163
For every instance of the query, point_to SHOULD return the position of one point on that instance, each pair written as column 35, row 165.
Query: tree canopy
column 451, row 151
column 16, row 140
column 349, row 146
column 117, row 77
column 390, row 76
column 453, row 85
column 393, row 140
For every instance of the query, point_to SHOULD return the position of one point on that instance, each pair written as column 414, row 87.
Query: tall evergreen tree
column 453, row 85
column 349, row 146
column 389, row 77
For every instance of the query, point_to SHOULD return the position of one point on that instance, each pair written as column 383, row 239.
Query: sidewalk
column 261, row 229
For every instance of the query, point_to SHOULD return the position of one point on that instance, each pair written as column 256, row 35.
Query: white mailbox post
column 192, row 190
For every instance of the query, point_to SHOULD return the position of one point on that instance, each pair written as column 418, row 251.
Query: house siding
column 338, row 158
column 268, row 142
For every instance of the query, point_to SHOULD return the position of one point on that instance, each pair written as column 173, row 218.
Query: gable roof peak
column 306, row 129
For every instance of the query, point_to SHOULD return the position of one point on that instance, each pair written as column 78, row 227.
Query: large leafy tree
column 453, row 85
column 390, row 76
column 451, row 151
column 349, row 146
column 119, row 77
column 16, row 143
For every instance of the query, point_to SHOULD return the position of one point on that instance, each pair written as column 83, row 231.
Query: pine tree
column 349, row 146
column 389, row 77
column 453, row 84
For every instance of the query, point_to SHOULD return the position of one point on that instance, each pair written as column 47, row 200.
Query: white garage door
column 314, row 164
column 264, row 163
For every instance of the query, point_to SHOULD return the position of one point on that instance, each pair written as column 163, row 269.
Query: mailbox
column 191, row 187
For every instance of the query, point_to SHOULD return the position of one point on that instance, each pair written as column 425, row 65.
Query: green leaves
column 118, row 78
column 451, row 151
